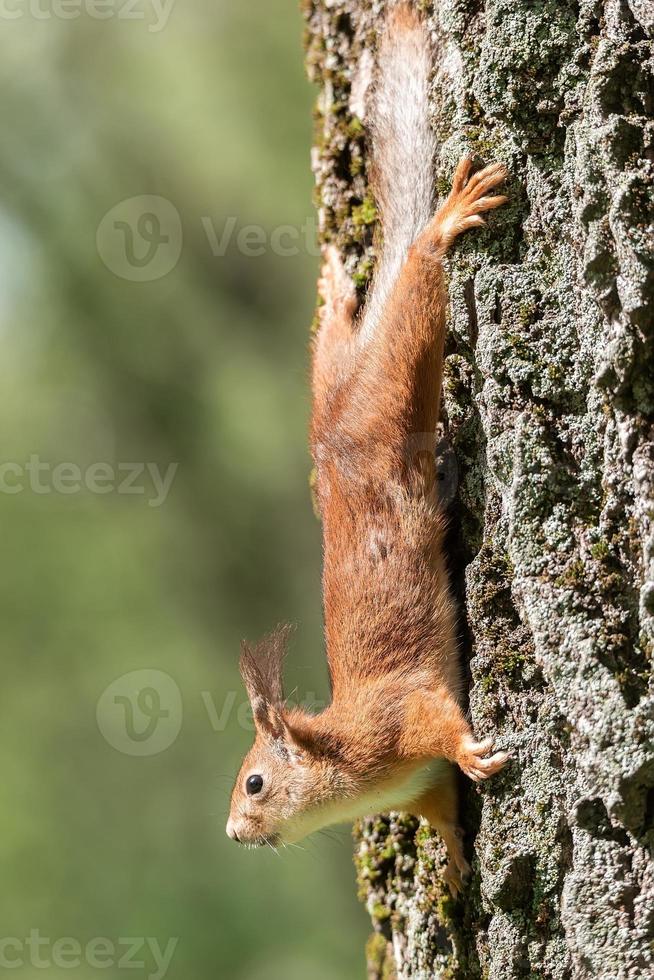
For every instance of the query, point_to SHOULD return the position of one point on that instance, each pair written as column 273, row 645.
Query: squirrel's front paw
column 475, row 761
column 456, row 877
column 458, row 870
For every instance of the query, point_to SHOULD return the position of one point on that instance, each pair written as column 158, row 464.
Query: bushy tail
column 403, row 147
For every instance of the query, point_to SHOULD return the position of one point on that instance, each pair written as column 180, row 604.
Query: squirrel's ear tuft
column 262, row 672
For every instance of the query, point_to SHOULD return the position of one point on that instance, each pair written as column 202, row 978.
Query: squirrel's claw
column 473, row 761
column 456, row 875
column 453, row 880
column 461, row 174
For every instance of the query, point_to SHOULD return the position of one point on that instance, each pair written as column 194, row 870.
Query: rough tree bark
column 549, row 410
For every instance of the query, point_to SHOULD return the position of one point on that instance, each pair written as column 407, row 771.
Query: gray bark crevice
column 549, row 405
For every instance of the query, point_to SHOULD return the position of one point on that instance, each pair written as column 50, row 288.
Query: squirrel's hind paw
column 467, row 201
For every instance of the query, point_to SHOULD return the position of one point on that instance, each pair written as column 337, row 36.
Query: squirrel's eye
column 254, row 785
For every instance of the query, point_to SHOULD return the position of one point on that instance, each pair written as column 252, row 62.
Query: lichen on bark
column 549, row 411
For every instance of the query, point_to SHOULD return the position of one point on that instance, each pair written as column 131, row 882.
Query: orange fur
column 389, row 619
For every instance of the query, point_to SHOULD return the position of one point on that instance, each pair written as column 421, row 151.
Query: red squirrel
column 395, row 724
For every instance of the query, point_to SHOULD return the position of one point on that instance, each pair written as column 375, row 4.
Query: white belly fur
column 389, row 795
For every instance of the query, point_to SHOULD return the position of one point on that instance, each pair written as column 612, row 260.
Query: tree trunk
column 549, row 409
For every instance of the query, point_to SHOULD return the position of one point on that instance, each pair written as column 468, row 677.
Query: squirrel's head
column 291, row 770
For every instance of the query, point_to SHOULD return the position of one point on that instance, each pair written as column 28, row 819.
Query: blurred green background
column 205, row 105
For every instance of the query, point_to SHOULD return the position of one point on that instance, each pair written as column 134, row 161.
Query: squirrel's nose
column 231, row 831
